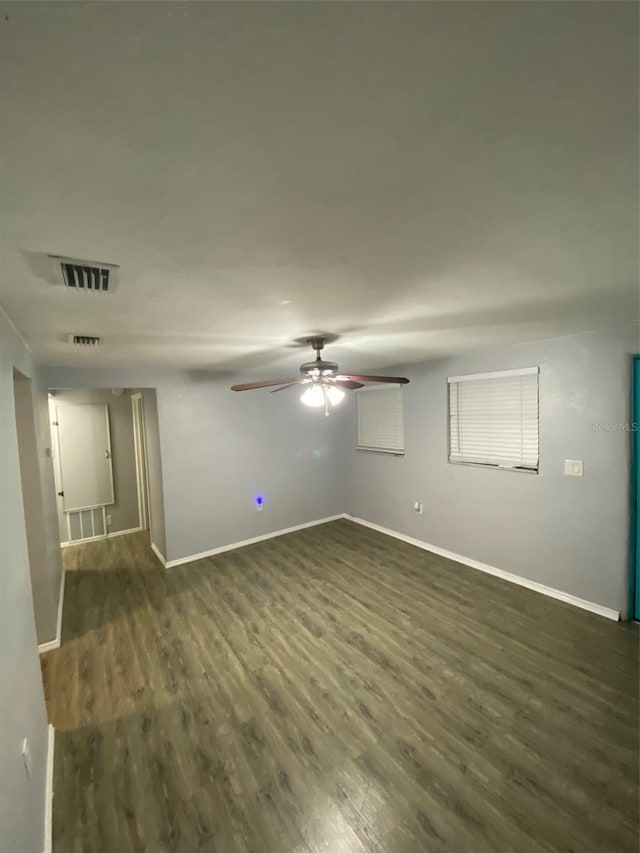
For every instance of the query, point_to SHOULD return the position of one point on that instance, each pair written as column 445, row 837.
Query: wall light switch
column 573, row 467
column 418, row 507
column 108, row 520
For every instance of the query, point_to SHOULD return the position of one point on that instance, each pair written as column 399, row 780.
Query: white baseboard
column 55, row 643
column 125, row 532
column 100, row 538
column 558, row 594
column 48, row 792
column 232, row 546
column 156, row 551
column 607, row 612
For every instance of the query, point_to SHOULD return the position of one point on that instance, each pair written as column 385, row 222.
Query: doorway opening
column 100, row 463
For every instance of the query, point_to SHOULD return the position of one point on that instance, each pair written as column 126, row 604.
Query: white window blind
column 493, row 418
column 380, row 420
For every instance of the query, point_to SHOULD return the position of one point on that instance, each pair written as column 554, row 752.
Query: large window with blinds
column 380, row 420
column 493, row 419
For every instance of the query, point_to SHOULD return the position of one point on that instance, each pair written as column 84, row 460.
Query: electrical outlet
column 418, row 507
column 108, row 521
column 573, row 467
column 26, row 757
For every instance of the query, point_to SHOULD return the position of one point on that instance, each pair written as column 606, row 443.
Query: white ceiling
column 418, row 178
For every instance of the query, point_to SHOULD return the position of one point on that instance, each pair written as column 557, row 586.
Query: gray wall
column 47, row 483
column 33, row 506
column 124, row 512
column 22, row 708
column 569, row 533
column 219, row 449
column 224, row 448
column 154, row 470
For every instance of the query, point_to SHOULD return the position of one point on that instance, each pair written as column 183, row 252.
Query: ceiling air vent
column 85, row 340
column 85, row 276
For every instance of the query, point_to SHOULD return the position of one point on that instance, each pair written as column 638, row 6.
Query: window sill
column 381, row 450
column 488, row 466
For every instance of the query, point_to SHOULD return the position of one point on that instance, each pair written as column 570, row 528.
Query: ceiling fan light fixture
column 313, row 396
column 321, row 394
column 335, row 395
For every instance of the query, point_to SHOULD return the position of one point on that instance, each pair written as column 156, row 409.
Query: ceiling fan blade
column 290, row 385
column 359, row 377
column 348, row 383
column 249, row 386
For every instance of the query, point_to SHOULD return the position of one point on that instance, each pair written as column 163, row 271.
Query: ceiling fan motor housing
column 319, row 367
column 323, row 367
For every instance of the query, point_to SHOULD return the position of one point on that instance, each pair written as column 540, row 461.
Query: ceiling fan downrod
column 318, row 367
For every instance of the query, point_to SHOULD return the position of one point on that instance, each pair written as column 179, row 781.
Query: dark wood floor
column 335, row 690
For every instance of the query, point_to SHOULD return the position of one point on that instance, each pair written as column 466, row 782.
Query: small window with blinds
column 493, row 419
column 380, row 420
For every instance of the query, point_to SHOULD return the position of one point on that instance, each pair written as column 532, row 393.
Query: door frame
column 634, row 531
column 142, row 468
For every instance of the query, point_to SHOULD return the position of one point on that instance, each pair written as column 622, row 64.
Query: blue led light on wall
column 259, row 500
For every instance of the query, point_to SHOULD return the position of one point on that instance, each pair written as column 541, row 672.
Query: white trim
column 48, row 791
column 61, row 603
column 493, row 466
column 379, row 450
column 600, row 609
column 20, row 336
column 124, row 532
column 55, row 643
column 137, row 415
column 494, row 374
column 101, row 538
column 86, row 508
column 232, row 546
column 156, row 551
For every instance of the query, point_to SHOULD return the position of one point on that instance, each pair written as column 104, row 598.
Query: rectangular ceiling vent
column 85, row 340
column 84, row 276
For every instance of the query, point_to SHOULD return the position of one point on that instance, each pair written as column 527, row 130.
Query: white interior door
column 84, row 451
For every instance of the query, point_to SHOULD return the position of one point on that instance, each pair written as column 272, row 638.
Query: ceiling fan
column 325, row 385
